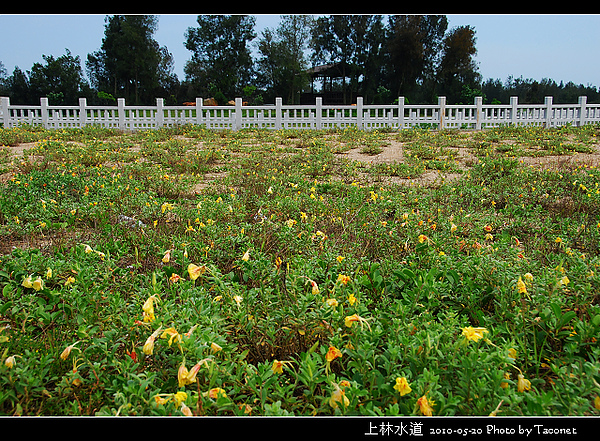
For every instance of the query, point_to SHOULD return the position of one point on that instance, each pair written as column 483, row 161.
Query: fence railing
column 475, row 116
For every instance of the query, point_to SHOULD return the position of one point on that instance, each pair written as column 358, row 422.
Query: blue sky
column 560, row 47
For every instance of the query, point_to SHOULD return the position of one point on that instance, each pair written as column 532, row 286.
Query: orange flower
column 332, row 354
column 216, row 392
column 426, row 406
column 343, row 279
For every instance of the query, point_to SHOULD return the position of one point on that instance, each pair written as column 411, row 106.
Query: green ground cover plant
column 185, row 271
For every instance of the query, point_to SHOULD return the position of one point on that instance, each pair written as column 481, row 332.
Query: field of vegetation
column 184, row 271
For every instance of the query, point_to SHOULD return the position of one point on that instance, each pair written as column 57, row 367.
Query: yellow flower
column 148, row 309
column 338, row 396
column 349, row 320
column 558, row 240
column 488, row 236
column 149, row 345
column 277, row 367
column 315, row 287
column 246, row 256
column 332, row 302
column 215, row 347
column 49, row 273
column 172, row 334
column 167, row 257
column 179, row 398
column 340, row 258
column 238, row 299
column 523, row 384
column 422, row 238
column 166, row 206
column 528, row 277
column 597, row 402
column 564, row 281
column 512, row 353
column 67, row 351
column 453, row 228
column 426, row 406
column 27, row 283
column 304, row 216
column 402, row 386
column 332, row 354
column 10, row 362
column 488, row 228
column 182, row 375
column 160, row 400
column 504, row 384
column 351, row 299
column 343, row 279
column 473, row 333
column 70, row 280
column 521, row 288
column 195, row 271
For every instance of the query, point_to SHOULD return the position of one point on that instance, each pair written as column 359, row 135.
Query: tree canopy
column 380, row 59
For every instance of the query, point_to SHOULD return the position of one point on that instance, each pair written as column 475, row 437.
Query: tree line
column 415, row 56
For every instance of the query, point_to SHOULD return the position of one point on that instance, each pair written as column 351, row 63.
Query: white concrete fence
column 475, row 116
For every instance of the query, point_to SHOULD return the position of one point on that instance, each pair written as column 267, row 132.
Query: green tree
column 357, row 43
column 283, row 61
column 60, row 79
column 130, row 63
column 221, row 59
column 458, row 67
column 413, row 47
column 17, row 88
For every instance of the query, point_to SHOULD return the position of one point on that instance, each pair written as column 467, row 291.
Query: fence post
column 4, row 105
column 514, row 102
column 442, row 110
column 548, row 111
column 582, row 111
column 278, row 103
column 160, row 113
column 82, row 112
column 479, row 106
column 44, row 111
column 199, row 111
column 400, row 112
column 238, row 113
column 121, row 112
column 319, row 112
column 359, row 112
